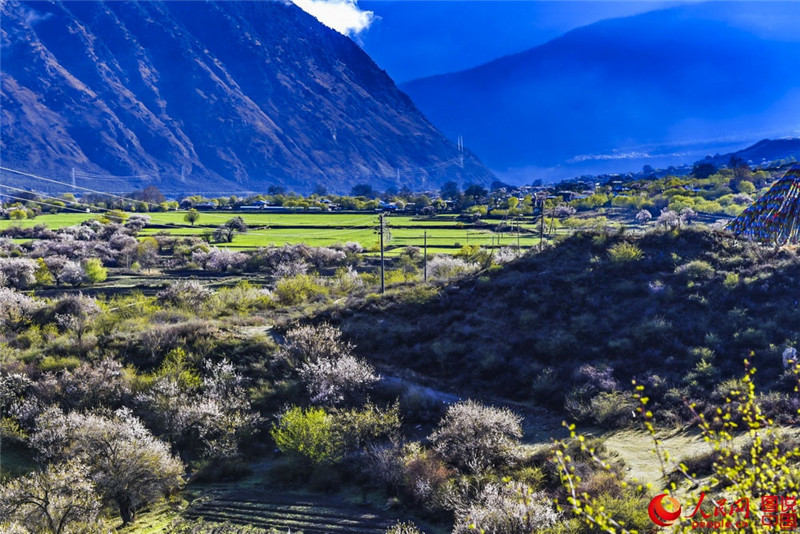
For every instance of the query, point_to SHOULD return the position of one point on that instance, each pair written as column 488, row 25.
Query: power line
column 42, row 203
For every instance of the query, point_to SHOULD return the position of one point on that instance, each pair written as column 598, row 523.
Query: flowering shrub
column 476, row 437
column 17, row 306
column 18, row 272
column 190, row 293
column 219, row 260
column 334, row 380
column 506, row 508
column 445, row 267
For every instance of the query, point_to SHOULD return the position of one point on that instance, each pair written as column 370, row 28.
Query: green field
column 445, row 233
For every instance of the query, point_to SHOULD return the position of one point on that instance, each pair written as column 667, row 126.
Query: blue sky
column 416, row 38
column 413, row 39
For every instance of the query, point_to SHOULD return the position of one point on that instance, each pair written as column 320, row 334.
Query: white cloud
column 623, row 155
column 344, row 16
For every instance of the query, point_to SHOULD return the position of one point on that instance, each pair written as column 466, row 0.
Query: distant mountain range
column 765, row 151
column 207, row 97
column 659, row 88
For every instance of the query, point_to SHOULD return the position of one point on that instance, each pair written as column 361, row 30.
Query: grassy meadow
column 446, row 234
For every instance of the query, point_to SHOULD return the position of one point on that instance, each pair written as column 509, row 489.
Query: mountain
column 207, row 97
column 764, row 151
column 656, row 88
column 433, row 37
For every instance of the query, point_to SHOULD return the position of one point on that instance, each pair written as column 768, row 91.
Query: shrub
column 359, row 428
column 242, row 297
column 474, row 436
column 696, row 269
column 624, row 252
column 71, row 273
column 443, row 267
column 424, row 473
column 42, row 274
column 220, row 260
column 189, row 293
column 297, row 289
column 315, row 342
column 612, row 409
column 731, row 280
column 98, row 384
column 129, row 466
column 406, row 527
column 17, row 306
column 335, row 380
column 57, row 363
column 94, row 270
column 18, row 272
column 307, row 434
column 60, row 498
column 508, row 508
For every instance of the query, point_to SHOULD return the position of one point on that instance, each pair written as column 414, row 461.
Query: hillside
column 685, row 314
column 207, row 97
column 658, row 88
column 766, row 150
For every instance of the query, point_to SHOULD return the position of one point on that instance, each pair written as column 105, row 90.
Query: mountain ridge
column 226, row 96
column 660, row 78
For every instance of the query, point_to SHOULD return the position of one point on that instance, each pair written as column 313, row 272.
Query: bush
column 404, row 528
column 17, row 306
column 731, row 280
column 696, row 269
column 129, row 466
column 220, row 260
column 310, row 343
column 612, row 409
column 307, row 434
column 56, row 363
column 476, row 437
column 624, row 252
column 42, row 274
column 445, row 267
column 60, row 498
column 510, row 508
column 18, row 272
column 189, row 293
column 94, row 270
column 296, row 289
column 336, row 380
column 359, row 428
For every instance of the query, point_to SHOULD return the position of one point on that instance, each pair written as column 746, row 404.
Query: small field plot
column 288, row 512
column 57, row 220
column 445, row 233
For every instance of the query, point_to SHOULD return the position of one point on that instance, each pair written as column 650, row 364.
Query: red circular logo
column 659, row 515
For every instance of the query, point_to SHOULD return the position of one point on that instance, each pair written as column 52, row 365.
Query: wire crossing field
column 444, row 233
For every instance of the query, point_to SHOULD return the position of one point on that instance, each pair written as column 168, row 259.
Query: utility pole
column 383, row 283
column 541, row 222
column 425, row 256
column 518, row 237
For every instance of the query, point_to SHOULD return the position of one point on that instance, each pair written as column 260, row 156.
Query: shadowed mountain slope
column 207, row 96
